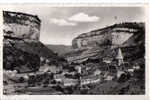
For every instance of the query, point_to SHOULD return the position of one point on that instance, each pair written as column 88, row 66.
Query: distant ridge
column 59, row 49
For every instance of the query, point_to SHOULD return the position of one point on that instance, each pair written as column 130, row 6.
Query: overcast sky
column 61, row 24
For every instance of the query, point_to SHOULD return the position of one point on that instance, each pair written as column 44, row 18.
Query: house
column 13, row 76
column 131, row 70
column 136, row 67
column 107, row 60
column 97, row 72
column 59, row 77
column 70, row 82
column 109, row 77
column 50, row 68
column 78, row 68
column 90, row 80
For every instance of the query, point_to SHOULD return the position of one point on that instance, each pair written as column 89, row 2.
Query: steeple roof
column 119, row 55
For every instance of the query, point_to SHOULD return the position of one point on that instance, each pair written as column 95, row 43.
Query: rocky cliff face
column 103, row 43
column 21, row 25
column 113, row 35
column 21, row 46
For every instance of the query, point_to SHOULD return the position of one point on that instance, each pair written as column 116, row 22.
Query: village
column 78, row 76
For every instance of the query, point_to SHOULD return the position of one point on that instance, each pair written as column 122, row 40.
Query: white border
column 74, row 1
column 74, row 97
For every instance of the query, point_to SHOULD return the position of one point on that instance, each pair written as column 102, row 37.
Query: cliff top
column 131, row 25
column 20, row 13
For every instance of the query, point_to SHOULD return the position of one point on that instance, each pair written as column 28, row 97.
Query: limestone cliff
column 103, row 43
column 21, row 25
column 116, row 35
column 21, row 46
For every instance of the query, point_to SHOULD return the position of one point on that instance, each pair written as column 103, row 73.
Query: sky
column 60, row 25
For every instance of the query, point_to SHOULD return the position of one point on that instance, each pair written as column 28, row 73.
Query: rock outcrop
column 21, row 46
column 103, row 43
column 21, row 25
column 116, row 34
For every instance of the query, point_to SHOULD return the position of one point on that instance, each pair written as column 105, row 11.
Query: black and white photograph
column 74, row 50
